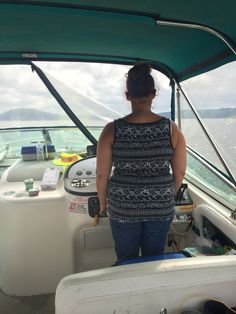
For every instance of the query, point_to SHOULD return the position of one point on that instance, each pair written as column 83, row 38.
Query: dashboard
column 80, row 180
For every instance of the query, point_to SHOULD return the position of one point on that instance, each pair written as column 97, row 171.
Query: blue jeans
column 149, row 236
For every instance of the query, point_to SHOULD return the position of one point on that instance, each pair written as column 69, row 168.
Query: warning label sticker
column 78, row 204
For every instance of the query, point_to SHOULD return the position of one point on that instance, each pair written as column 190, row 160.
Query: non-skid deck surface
column 42, row 304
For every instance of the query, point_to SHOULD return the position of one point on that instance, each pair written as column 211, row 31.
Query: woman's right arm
column 104, row 163
column 178, row 162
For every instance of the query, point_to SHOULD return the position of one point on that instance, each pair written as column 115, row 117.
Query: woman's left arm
column 104, row 164
column 178, row 162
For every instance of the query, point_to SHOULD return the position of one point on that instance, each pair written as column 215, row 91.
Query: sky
column 214, row 89
column 105, row 85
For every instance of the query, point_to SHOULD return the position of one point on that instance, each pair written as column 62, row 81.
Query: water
column 222, row 133
column 72, row 140
column 69, row 139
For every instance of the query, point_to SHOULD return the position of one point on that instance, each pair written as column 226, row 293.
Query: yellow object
column 185, row 207
column 95, row 220
column 66, row 159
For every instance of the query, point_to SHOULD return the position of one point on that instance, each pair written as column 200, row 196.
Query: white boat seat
column 148, row 287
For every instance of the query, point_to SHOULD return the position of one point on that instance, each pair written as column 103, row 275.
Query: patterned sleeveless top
column 141, row 187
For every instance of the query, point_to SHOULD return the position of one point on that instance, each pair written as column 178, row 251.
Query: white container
column 40, row 152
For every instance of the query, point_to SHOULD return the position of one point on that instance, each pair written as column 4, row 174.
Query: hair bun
column 139, row 70
column 140, row 82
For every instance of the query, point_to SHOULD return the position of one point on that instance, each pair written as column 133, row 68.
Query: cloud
column 19, row 87
column 104, row 83
column 214, row 89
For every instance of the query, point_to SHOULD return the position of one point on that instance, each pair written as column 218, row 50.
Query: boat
column 55, row 255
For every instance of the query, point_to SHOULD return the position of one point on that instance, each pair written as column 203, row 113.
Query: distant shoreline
column 39, row 115
column 207, row 113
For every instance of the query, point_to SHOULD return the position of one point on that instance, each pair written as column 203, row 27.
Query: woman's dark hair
column 139, row 81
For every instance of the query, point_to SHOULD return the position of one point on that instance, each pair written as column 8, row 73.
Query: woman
column 142, row 147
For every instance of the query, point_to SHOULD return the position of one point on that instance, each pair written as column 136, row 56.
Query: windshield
column 98, row 90
column 211, row 168
column 94, row 92
column 213, row 96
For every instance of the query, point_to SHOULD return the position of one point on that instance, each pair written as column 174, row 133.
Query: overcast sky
column 105, row 84
column 214, row 89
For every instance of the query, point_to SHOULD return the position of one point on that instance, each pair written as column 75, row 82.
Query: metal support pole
column 208, row 29
column 172, row 84
column 178, row 107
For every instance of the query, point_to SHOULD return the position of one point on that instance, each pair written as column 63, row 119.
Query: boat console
column 80, row 180
column 36, row 250
column 54, row 234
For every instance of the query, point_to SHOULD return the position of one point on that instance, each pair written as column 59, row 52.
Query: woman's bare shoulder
column 108, row 132
column 109, row 127
column 176, row 134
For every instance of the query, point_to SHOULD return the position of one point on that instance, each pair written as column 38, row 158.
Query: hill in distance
column 28, row 115
column 23, row 114
column 207, row 113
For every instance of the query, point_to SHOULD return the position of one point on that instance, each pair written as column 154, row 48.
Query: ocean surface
column 222, row 133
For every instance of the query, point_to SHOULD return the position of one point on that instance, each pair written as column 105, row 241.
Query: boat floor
column 40, row 304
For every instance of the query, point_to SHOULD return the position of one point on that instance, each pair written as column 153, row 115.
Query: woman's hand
column 102, row 210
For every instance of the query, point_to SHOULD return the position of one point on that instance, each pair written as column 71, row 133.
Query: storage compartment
column 49, row 151
column 29, row 152
column 96, row 238
column 210, row 231
column 212, row 242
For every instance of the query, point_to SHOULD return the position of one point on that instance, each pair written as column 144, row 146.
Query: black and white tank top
column 141, row 186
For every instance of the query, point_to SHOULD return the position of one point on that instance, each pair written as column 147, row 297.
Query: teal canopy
column 122, row 31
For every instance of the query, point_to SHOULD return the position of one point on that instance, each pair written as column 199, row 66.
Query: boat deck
column 42, row 304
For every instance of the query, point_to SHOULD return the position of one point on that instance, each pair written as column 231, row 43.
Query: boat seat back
column 176, row 284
